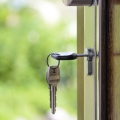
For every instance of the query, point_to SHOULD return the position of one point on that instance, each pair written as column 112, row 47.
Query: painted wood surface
column 89, row 112
column 80, row 63
column 85, row 84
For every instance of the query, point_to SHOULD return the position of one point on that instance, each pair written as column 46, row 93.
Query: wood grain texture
column 114, row 60
column 110, row 61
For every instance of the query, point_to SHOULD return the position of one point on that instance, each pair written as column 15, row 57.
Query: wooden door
column 110, row 59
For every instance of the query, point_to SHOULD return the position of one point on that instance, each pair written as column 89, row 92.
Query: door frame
column 80, row 62
column 103, row 60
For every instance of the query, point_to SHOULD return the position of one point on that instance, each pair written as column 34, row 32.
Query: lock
column 78, row 2
column 89, row 54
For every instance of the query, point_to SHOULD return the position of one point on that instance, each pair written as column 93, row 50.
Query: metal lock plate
column 90, row 53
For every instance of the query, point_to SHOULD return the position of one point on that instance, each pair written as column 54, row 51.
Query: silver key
column 49, row 86
column 53, row 78
column 50, row 93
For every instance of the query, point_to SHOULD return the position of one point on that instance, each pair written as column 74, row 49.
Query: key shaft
column 50, row 95
column 53, row 78
column 53, row 99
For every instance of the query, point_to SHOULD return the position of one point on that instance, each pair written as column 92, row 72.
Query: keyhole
column 54, row 71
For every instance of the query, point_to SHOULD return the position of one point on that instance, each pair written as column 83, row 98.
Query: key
column 64, row 56
column 50, row 95
column 67, row 56
column 49, row 86
column 53, row 78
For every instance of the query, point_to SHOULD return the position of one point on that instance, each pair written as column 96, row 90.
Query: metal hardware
column 53, row 78
column 78, row 2
column 89, row 53
column 96, row 101
column 48, row 63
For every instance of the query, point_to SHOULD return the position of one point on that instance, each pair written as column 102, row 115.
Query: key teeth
column 53, row 112
column 55, row 101
column 50, row 100
column 50, row 104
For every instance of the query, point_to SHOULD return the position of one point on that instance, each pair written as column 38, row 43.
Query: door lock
column 78, row 2
column 89, row 54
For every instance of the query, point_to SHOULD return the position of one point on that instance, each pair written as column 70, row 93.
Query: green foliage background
column 25, row 43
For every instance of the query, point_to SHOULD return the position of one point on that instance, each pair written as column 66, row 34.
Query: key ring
column 48, row 63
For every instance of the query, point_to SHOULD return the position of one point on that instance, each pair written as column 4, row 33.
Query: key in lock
column 89, row 54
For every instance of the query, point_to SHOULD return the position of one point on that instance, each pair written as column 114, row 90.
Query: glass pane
column 29, row 31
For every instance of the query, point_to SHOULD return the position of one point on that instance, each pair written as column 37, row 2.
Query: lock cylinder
column 78, row 2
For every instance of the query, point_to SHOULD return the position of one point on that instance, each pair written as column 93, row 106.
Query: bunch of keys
column 53, row 74
column 53, row 78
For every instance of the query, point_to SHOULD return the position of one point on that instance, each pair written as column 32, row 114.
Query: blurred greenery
column 25, row 42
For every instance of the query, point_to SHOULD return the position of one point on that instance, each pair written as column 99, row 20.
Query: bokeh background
column 29, row 31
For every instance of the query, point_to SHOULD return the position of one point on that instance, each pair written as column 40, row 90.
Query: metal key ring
column 48, row 63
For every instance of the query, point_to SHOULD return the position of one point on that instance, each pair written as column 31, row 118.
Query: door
column 110, row 59
column 108, row 82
